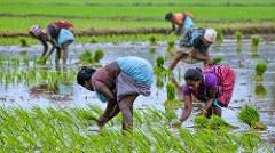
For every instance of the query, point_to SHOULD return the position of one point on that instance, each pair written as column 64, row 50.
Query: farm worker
column 213, row 85
column 118, row 84
column 196, row 46
column 181, row 22
column 58, row 34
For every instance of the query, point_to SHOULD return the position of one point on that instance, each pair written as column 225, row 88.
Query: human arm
column 187, row 108
column 179, row 29
column 177, row 59
column 53, row 42
column 111, row 109
column 205, row 57
column 173, row 27
column 44, row 43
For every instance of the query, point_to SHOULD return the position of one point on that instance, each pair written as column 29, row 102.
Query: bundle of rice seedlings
column 215, row 122
column 201, row 121
column 250, row 116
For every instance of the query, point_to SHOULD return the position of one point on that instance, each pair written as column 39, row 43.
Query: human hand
column 192, row 54
column 202, row 111
column 100, row 123
column 176, row 124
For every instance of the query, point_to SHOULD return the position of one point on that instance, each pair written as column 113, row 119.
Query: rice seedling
column 220, row 35
column 153, row 40
column 64, row 130
column 99, row 54
column 217, row 60
column 255, row 41
column 251, row 116
column 215, row 122
column 160, row 61
column 260, row 71
column 238, row 36
column 160, row 82
column 261, row 68
column 170, row 91
column 170, row 46
column 86, row 57
column 260, row 91
column 23, row 43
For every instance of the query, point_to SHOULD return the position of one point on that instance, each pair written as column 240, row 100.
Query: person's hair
column 168, row 17
column 84, row 74
column 193, row 74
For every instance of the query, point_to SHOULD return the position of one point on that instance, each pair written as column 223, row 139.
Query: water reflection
column 51, row 85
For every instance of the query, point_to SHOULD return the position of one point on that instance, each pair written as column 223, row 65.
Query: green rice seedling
column 171, row 44
column 153, row 40
column 93, row 40
column 86, row 57
column 219, row 35
column 217, row 60
column 23, row 43
column 170, row 115
column 99, row 54
column 251, row 116
column 218, row 122
column 26, row 60
column 255, row 41
column 249, row 141
column 215, row 122
column 201, row 121
column 160, row 61
column 152, row 50
column 170, row 91
column 172, row 104
column 261, row 68
column 238, row 36
column 261, row 91
column 159, row 83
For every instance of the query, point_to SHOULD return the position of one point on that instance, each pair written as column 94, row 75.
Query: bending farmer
column 181, row 22
column 196, row 43
column 58, row 35
column 119, row 84
column 213, row 85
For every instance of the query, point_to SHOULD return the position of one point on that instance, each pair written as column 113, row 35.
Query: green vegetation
column 153, row 40
column 255, row 41
column 261, row 68
column 238, row 36
column 170, row 91
column 99, row 54
column 214, row 123
column 18, row 16
column 250, row 116
column 217, row 60
column 219, row 35
column 87, row 56
column 66, row 129
column 260, row 91
column 160, row 61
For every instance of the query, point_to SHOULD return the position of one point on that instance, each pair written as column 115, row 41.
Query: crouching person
column 119, row 84
column 213, row 85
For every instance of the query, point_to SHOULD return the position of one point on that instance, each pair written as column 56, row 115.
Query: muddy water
column 247, row 89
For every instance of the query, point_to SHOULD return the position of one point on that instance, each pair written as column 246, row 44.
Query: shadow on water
column 56, row 85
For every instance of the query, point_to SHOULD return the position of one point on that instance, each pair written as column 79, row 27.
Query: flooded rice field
column 27, row 84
